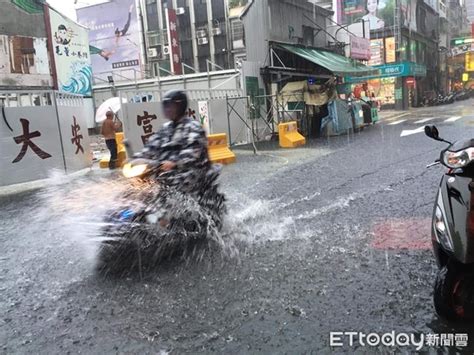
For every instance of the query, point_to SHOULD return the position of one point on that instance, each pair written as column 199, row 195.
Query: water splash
column 78, row 208
column 257, row 221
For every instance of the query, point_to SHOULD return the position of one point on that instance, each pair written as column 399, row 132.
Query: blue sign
column 391, row 70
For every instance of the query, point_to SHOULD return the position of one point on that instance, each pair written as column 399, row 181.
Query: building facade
column 202, row 28
column 24, row 57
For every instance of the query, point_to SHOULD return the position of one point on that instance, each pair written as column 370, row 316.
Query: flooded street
column 331, row 237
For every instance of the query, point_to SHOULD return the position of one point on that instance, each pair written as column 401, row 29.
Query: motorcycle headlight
column 441, row 230
column 459, row 159
column 131, row 171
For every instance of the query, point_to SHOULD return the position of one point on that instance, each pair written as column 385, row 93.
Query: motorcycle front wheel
column 116, row 257
column 453, row 294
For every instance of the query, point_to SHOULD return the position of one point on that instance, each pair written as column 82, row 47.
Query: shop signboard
column 173, row 40
column 462, row 49
column 469, row 64
column 390, row 50
column 393, row 70
column 360, row 48
column 376, row 52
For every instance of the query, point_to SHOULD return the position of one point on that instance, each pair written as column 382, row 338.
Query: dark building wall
column 200, row 12
column 152, row 17
column 185, row 35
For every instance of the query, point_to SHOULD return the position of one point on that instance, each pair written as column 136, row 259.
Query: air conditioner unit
column 166, row 50
column 202, row 41
column 201, row 33
column 180, row 11
column 216, row 31
column 153, row 39
column 152, row 52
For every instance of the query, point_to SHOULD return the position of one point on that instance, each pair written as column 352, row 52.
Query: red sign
column 173, row 42
column 410, row 81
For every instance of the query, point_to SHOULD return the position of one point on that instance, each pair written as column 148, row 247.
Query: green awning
column 333, row 62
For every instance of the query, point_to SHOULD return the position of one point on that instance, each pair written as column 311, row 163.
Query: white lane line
column 396, row 117
column 396, row 122
column 453, row 119
column 425, row 120
column 409, row 132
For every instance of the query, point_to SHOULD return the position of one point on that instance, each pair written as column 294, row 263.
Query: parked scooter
column 452, row 230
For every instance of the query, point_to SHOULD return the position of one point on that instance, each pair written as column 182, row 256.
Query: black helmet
column 178, row 97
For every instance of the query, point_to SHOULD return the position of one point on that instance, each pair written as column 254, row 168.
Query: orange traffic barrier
column 289, row 136
column 218, row 149
column 121, row 153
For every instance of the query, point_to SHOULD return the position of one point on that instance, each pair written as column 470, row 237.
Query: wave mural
column 71, row 55
column 80, row 82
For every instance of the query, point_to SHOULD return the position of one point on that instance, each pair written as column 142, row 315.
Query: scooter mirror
column 432, row 132
column 428, row 131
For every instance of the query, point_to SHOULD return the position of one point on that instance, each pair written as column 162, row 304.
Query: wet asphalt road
column 330, row 237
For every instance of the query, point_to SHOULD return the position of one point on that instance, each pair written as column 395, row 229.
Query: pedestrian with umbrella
column 109, row 128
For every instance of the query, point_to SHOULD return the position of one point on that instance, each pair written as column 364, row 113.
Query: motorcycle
column 154, row 221
column 452, row 230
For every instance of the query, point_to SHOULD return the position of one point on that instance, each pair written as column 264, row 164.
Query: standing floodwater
column 331, row 237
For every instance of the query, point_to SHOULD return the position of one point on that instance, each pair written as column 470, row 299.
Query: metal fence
column 136, row 96
column 38, row 98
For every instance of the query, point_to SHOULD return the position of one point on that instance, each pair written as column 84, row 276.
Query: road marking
column 396, row 122
column 409, row 132
column 425, row 120
column 395, row 117
column 453, row 119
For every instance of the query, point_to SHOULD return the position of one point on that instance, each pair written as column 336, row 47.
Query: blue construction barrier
column 339, row 120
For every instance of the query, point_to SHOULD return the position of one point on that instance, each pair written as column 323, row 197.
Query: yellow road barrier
column 289, row 136
column 218, row 149
column 121, row 153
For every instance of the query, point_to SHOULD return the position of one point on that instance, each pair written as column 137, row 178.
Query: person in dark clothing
column 180, row 146
column 180, row 149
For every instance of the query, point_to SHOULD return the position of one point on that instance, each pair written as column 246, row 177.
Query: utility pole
column 401, row 92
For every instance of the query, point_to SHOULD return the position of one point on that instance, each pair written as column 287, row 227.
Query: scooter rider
column 180, row 147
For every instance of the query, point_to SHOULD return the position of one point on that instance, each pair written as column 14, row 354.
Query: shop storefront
column 394, row 83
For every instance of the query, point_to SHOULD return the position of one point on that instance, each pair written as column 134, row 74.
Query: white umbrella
column 112, row 104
